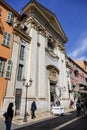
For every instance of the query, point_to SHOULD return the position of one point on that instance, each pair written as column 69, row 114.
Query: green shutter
column 9, row 68
column 6, row 39
column 2, row 64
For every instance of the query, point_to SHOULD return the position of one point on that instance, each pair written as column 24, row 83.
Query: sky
column 72, row 16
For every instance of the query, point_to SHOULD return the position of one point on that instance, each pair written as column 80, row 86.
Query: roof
column 76, row 64
column 82, row 64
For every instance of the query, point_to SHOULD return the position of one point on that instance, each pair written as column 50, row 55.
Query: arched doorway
column 53, row 73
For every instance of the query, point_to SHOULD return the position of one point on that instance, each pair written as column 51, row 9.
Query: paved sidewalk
column 18, row 120
column 40, row 116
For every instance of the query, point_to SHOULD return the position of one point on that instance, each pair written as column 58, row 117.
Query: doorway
column 52, row 93
column 18, row 101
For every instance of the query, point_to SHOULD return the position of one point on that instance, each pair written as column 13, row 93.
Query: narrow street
column 67, row 122
column 80, row 124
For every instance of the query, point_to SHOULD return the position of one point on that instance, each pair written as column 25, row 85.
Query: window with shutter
column 2, row 65
column 9, row 68
column 6, row 39
column 10, row 18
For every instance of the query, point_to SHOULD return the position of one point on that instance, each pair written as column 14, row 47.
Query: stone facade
column 42, row 40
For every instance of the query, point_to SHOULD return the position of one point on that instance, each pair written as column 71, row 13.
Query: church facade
column 39, row 54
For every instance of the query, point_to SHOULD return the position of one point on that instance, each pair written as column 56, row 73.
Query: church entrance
column 53, row 73
column 52, row 93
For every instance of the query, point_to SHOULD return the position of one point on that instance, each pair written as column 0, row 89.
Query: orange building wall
column 5, row 52
column 2, row 90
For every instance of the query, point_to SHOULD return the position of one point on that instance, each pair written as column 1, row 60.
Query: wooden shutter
column 9, row 68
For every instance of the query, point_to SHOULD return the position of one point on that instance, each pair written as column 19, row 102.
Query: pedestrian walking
column 33, row 109
column 78, row 106
column 82, row 108
column 9, row 116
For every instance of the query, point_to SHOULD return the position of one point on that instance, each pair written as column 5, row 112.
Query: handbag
column 5, row 115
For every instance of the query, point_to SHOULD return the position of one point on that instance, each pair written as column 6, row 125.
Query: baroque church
column 38, row 53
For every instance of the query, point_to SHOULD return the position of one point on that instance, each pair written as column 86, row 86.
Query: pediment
column 48, row 15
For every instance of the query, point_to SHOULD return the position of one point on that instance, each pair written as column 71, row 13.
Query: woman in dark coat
column 78, row 106
column 33, row 108
column 8, row 118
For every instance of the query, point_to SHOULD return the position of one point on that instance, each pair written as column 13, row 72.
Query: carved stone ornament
column 53, row 75
column 37, row 26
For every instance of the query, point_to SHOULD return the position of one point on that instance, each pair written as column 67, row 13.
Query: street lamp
column 26, row 85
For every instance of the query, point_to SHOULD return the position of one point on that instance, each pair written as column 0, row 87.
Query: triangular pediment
column 48, row 15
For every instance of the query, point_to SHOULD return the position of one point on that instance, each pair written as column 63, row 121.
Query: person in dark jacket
column 33, row 109
column 78, row 106
column 9, row 117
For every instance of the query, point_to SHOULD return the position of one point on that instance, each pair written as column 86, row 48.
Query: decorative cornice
column 61, row 47
column 53, row 73
column 51, row 38
column 41, row 31
column 37, row 26
column 20, row 32
column 51, row 53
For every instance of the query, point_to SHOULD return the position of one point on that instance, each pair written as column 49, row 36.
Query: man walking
column 33, row 109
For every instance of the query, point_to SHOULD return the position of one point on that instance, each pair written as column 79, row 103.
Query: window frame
column 6, row 39
column 2, row 66
column 9, row 69
column 20, row 71
column 22, row 51
column 10, row 18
